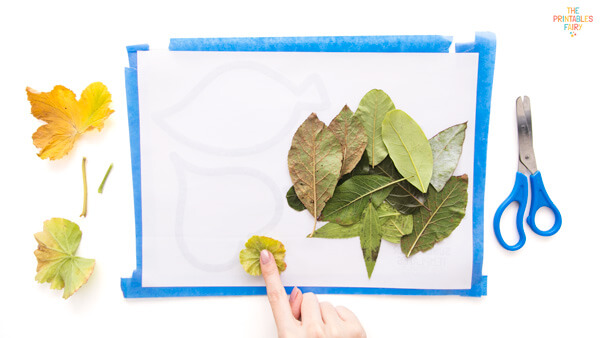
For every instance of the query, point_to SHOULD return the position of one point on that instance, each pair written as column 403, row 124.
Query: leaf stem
column 314, row 228
column 101, row 187
column 85, row 192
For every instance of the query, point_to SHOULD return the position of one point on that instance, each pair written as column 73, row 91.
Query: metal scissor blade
column 526, row 154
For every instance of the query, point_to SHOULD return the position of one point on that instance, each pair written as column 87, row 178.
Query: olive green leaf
column 333, row 230
column 394, row 225
column 57, row 263
column 293, row 200
column 370, row 237
column 408, row 148
column 314, row 163
column 371, row 111
column 250, row 256
column 404, row 197
column 447, row 209
column 352, row 137
column 351, row 198
column 446, row 148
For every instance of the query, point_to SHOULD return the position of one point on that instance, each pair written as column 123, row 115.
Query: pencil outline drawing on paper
column 183, row 169
column 309, row 95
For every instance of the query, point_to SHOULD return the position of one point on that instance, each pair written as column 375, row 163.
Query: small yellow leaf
column 57, row 263
column 66, row 118
column 250, row 256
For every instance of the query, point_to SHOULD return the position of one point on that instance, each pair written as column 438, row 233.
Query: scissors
column 519, row 193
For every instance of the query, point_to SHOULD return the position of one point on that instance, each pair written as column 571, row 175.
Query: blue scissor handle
column 540, row 198
column 518, row 194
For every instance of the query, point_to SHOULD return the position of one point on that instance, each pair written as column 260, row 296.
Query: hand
column 303, row 315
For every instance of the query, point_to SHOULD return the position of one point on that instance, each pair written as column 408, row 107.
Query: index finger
column 275, row 291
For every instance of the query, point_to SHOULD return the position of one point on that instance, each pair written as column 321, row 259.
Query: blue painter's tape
column 369, row 44
column 133, row 113
column 132, row 54
column 132, row 291
column 484, row 44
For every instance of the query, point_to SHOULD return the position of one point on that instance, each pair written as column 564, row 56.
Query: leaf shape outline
column 371, row 111
column 447, row 210
column 446, row 148
column 312, row 83
column 185, row 172
column 408, row 147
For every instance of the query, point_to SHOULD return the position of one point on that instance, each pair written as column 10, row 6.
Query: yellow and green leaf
column 250, row 256
column 57, row 263
column 66, row 117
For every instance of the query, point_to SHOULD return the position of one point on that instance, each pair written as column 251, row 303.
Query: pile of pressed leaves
column 374, row 174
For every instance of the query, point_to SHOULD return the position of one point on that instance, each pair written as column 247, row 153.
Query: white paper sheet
column 215, row 130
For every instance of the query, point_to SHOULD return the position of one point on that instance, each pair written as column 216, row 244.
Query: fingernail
column 294, row 294
column 265, row 256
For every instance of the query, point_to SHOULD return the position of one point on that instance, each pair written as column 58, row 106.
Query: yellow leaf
column 250, row 256
column 57, row 263
column 66, row 118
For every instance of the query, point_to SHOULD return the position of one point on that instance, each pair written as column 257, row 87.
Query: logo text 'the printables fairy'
column 574, row 21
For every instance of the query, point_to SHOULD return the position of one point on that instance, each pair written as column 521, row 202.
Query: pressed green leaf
column 351, row 198
column 394, row 225
column 404, row 197
column 370, row 237
column 333, row 230
column 250, row 256
column 293, row 200
column 352, row 137
column 314, row 162
column 371, row 112
column 447, row 209
column 408, row 148
column 57, row 263
column 446, row 148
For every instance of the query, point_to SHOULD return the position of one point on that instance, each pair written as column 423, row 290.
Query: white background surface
column 192, row 234
column 545, row 289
